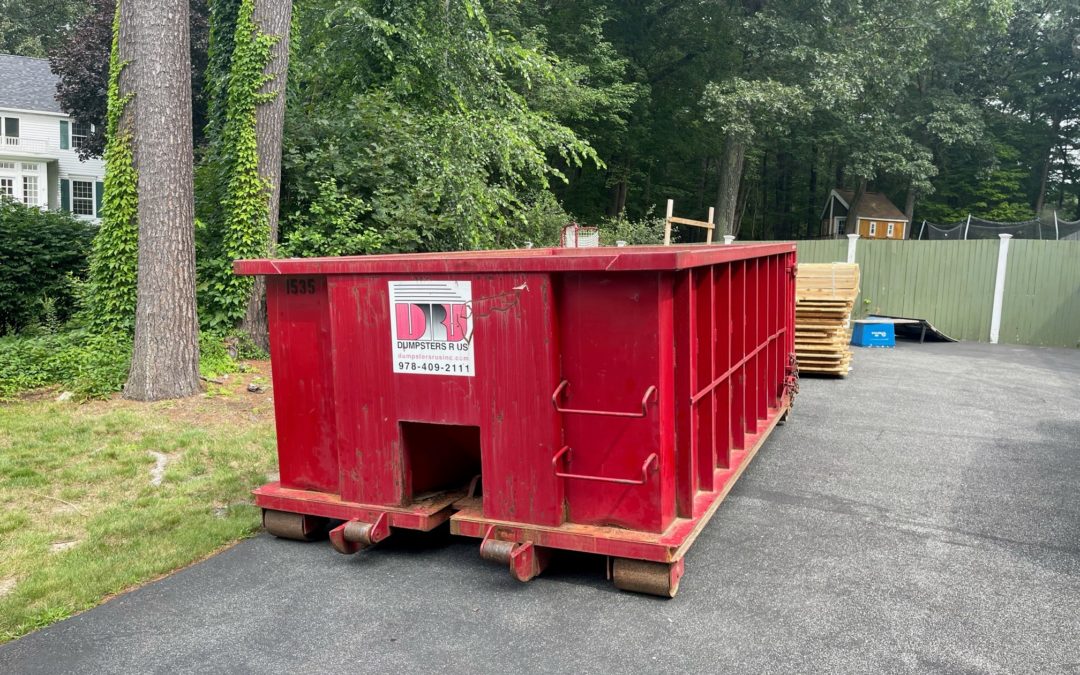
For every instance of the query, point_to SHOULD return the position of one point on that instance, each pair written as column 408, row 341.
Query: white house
column 39, row 163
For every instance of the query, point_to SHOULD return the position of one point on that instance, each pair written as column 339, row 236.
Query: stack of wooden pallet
column 824, row 297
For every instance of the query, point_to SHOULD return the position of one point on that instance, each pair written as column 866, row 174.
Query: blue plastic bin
column 870, row 334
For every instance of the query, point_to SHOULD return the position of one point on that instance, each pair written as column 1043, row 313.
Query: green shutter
column 65, row 141
column 65, row 194
column 99, row 190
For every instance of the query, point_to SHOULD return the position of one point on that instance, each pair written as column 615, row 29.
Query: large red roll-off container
column 600, row 400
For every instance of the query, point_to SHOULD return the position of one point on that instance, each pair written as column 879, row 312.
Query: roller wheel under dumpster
column 643, row 576
column 296, row 526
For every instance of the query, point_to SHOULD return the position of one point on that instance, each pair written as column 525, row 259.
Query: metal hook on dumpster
column 652, row 461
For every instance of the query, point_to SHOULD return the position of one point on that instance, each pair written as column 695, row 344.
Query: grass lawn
column 96, row 498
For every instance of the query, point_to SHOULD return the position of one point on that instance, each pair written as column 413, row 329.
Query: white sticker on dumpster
column 431, row 327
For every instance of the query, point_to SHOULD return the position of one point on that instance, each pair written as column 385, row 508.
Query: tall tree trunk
column 811, row 220
column 165, row 358
column 785, row 181
column 126, row 53
column 618, row 198
column 273, row 17
column 909, row 209
column 701, row 183
column 853, row 208
column 647, row 196
column 727, row 188
column 1040, row 199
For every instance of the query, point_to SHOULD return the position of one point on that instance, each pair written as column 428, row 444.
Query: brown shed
column 878, row 217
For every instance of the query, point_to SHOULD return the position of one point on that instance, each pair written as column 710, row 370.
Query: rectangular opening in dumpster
column 439, row 457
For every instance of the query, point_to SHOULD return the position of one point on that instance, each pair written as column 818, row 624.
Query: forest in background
column 435, row 124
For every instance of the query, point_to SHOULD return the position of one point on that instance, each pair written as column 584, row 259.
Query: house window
column 30, row 190
column 873, row 228
column 82, row 197
column 29, row 167
column 7, row 188
column 889, row 230
column 7, row 165
column 11, row 131
column 79, row 132
column 841, row 224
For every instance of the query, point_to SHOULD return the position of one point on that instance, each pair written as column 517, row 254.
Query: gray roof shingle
column 27, row 84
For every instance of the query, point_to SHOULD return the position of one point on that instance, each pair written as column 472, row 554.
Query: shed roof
column 873, row 205
column 27, row 84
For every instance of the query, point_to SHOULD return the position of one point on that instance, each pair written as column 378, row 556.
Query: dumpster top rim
column 607, row 258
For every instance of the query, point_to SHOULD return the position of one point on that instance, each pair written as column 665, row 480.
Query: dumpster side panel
column 302, row 374
column 737, row 421
column 687, row 361
column 372, row 466
column 515, row 328
column 615, row 336
column 722, row 359
column 389, row 423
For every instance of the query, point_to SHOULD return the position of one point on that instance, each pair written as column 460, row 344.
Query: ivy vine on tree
column 114, row 259
column 242, row 226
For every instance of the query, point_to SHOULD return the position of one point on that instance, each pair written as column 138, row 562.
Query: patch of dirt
column 226, row 404
column 7, row 586
column 57, row 547
column 222, row 510
column 34, row 395
column 61, row 509
column 161, row 460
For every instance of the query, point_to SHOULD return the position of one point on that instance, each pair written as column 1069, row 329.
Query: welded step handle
column 652, row 461
column 649, row 393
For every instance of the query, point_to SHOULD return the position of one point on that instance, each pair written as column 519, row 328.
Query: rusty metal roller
column 353, row 535
column 496, row 550
column 293, row 525
column 643, row 576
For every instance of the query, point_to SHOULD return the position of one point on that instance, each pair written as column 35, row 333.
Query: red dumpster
column 600, row 400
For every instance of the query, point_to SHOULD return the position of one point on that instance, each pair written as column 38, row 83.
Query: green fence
column 1041, row 305
column 951, row 284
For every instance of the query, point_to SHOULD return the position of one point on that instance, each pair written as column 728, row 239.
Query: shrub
column 89, row 365
column 648, row 230
column 334, row 224
column 541, row 223
column 42, row 253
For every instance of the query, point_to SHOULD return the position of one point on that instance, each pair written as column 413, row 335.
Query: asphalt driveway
column 921, row 515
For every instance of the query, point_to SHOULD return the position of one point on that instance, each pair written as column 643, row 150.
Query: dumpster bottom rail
column 424, row 515
column 663, row 547
column 646, row 562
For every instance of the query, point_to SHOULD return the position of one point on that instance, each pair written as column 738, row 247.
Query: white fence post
column 1057, row 234
column 851, row 239
column 999, row 288
column 967, row 227
column 728, row 238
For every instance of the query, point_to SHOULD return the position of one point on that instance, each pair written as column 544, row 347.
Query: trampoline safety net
column 977, row 228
